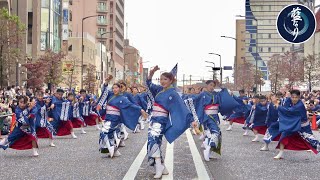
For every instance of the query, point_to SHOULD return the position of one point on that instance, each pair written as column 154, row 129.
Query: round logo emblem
column 296, row 23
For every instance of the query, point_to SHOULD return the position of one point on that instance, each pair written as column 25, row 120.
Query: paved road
column 80, row 159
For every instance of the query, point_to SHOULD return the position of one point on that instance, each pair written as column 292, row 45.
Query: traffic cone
column 314, row 123
column 13, row 122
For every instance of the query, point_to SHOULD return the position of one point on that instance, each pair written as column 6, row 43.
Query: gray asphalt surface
column 70, row 159
column 242, row 159
column 80, row 159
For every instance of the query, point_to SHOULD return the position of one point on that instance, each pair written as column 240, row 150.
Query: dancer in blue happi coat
column 23, row 136
column 123, row 85
column 207, row 105
column 85, row 105
column 119, row 110
column 294, row 127
column 61, row 119
column 258, row 125
column 238, row 113
column 167, row 103
column 139, row 100
column 272, row 133
column 247, row 112
column 250, row 114
column 74, row 113
column 42, row 126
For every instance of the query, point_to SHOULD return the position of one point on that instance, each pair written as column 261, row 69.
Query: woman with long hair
column 167, row 103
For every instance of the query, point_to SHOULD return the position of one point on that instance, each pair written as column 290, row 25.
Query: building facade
column 42, row 19
column 132, row 63
column 262, row 38
column 106, row 25
column 91, row 55
column 240, row 46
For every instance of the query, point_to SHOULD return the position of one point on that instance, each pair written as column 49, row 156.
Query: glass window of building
column 261, row 49
column 283, row 49
column 45, row 3
column 269, row 36
column 269, row 49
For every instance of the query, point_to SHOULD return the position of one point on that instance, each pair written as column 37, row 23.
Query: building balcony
column 104, row 36
column 102, row 9
column 102, row 22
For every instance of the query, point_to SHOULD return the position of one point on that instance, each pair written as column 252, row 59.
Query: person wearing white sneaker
column 238, row 115
column 296, row 133
column 139, row 100
column 260, row 116
column 229, row 128
column 23, row 136
column 119, row 109
column 246, row 132
column 272, row 133
column 207, row 106
column 42, row 126
column 86, row 109
column 76, row 118
column 61, row 112
column 166, row 101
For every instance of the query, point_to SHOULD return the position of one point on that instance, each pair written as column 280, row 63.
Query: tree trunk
column 1, row 66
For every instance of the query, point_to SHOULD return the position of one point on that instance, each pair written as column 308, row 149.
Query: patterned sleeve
column 155, row 89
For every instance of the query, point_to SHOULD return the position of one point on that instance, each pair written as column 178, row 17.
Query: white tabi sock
column 35, row 152
column 159, row 169
column 82, row 131
column 265, row 147
column 73, row 135
column 279, row 156
column 51, row 143
column 4, row 142
column 245, row 133
column 256, row 139
column 229, row 128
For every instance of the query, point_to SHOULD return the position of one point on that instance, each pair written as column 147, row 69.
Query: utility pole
column 183, row 83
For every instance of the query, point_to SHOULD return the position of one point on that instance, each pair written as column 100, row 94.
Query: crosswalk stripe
column 135, row 166
column 200, row 168
column 168, row 161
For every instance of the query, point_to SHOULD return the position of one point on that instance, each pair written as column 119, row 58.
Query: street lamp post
column 220, row 65
column 101, row 34
column 229, row 37
column 82, row 48
column 256, row 56
column 235, row 68
column 213, row 72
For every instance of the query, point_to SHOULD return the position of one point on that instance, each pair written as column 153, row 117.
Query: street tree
column 53, row 62
column 275, row 75
column 311, row 68
column 36, row 72
column 245, row 75
column 292, row 68
column 71, row 72
column 90, row 79
column 11, row 33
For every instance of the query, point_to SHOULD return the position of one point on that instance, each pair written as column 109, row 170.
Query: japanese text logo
column 296, row 23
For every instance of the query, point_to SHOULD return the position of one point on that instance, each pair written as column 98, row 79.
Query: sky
column 167, row 32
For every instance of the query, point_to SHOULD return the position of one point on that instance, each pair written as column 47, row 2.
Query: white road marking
column 200, row 168
column 168, row 161
column 135, row 166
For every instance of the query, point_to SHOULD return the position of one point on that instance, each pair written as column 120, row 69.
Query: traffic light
column 216, row 69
